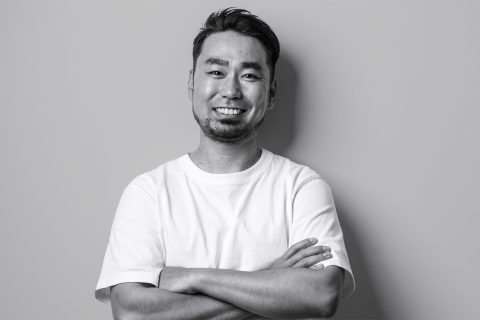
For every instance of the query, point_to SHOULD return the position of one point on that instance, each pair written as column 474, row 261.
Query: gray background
column 380, row 97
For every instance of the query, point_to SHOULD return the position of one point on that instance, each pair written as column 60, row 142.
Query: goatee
column 226, row 130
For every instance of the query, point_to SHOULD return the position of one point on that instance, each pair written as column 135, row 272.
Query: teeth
column 229, row 111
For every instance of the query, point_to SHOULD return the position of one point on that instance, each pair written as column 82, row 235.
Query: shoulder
column 296, row 174
column 151, row 181
column 290, row 167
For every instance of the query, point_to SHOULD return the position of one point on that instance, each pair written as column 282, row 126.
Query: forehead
column 233, row 46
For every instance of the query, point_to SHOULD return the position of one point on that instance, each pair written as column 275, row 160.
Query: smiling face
column 230, row 88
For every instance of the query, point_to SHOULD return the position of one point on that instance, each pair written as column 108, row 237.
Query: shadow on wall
column 278, row 130
column 364, row 302
column 277, row 135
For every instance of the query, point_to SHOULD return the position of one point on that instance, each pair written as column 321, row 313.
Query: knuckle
column 311, row 251
column 319, row 257
column 307, row 262
column 302, row 263
column 295, row 247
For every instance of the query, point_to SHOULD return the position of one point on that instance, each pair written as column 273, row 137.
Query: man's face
column 230, row 88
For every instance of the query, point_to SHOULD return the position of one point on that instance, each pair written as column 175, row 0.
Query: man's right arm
column 132, row 301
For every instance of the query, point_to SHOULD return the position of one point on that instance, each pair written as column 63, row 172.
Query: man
column 227, row 231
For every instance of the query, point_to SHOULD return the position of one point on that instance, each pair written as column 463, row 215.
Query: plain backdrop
column 380, row 97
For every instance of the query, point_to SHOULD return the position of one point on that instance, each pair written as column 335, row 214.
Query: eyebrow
column 225, row 63
column 217, row 61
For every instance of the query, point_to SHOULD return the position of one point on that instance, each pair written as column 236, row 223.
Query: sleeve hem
column 102, row 292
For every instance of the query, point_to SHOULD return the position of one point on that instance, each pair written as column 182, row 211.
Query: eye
column 251, row 76
column 215, row 73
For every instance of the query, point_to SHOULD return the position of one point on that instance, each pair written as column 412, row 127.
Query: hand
column 176, row 279
column 303, row 255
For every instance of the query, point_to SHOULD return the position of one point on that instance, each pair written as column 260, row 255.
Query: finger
column 318, row 266
column 299, row 246
column 312, row 260
column 308, row 252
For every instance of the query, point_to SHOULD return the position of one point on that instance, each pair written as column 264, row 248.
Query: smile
column 229, row 111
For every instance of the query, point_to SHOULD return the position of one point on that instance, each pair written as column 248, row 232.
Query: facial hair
column 227, row 130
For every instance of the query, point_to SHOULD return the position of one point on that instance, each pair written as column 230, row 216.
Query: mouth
column 229, row 111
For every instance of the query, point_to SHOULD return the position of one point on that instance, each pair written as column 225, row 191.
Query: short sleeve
column 134, row 252
column 314, row 215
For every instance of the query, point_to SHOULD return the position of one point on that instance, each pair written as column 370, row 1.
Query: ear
column 190, row 85
column 272, row 94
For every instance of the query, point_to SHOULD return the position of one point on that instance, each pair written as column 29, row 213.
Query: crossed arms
column 288, row 289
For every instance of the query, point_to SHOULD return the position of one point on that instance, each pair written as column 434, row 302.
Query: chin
column 230, row 136
column 227, row 130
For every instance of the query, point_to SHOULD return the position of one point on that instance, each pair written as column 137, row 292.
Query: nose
column 231, row 88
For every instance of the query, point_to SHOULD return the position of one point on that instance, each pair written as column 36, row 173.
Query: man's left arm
column 287, row 293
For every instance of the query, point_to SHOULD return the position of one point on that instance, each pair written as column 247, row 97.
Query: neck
column 221, row 157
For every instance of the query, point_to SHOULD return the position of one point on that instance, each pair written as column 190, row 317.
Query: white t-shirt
column 179, row 215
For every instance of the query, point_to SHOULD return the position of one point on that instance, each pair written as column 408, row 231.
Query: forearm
column 132, row 301
column 281, row 293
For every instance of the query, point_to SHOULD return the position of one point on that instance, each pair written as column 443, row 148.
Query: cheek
column 204, row 88
column 257, row 96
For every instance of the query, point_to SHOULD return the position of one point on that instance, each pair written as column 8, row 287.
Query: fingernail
column 320, row 266
column 313, row 240
column 327, row 255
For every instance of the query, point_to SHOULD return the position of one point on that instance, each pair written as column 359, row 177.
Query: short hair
column 243, row 22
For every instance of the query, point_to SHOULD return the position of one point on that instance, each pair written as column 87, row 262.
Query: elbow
column 126, row 314
column 121, row 316
column 328, row 292
column 121, row 313
column 122, row 307
column 327, row 305
column 133, row 314
column 328, row 309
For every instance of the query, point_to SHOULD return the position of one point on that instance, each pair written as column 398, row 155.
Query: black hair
column 243, row 22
